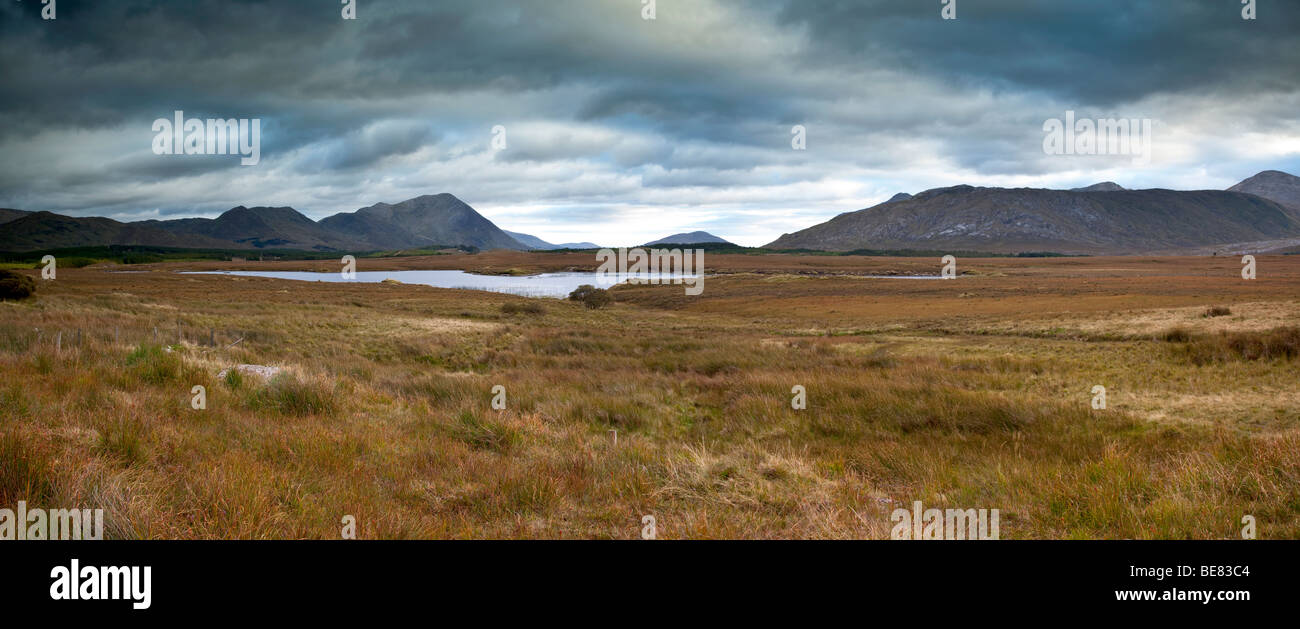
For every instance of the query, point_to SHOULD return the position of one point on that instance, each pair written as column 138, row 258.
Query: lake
column 541, row 285
column 557, row 285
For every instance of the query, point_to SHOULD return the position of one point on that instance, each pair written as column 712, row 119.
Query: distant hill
column 431, row 220
column 7, row 215
column 533, row 242
column 688, row 238
column 1005, row 220
column 1273, row 185
column 902, row 196
column 46, row 230
column 1105, row 186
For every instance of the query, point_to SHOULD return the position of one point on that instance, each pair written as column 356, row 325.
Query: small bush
column 1280, row 343
column 616, row 412
column 234, row 378
column 1217, row 311
column 486, row 434
column 1176, row 335
column 522, row 307
column 286, row 395
column 153, row 365
column 123, row 439
column 590, row 296
column 16, row 285
column 25, row 471
column 13, row 402
column 42, row 364
column 567, row 345
column 68, row 263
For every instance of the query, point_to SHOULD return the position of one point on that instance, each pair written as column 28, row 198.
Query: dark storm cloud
column 105, row 62
column 606, row 110
column 369, row 146
column 1092, row 52
column 102, row 62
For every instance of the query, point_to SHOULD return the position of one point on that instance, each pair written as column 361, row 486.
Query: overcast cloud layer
column 621, row 129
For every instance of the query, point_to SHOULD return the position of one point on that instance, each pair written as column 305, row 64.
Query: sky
column 585, row 120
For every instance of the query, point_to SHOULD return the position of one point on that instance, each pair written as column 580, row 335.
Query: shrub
column 522, row 307
column 1217, row 311
column 141, row 258
column 16, row 285
column 1280, row 343
column 234, row 378
column 1176, row 335
column 590, row 296
column 68, row 263
column 25, row 471
column 13, row 402
column 486, row 433
column 123, row 439
column 287, row 395
column 618, row 412
column 153, row 364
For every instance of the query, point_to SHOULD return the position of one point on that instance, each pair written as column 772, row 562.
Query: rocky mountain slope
column 1100, row 219
column 1273, row 185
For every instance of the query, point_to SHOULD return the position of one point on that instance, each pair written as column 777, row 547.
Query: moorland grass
column 384, row 412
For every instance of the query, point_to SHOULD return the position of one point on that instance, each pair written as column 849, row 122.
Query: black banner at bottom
column 184, row 580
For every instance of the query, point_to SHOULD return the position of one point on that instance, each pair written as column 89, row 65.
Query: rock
column 262, row 371
column 391, row 281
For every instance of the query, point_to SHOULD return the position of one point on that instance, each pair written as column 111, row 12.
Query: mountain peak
column 261, row 209
column 441, row 197
column 1274, row 185
column 1275, row 173
column 1105, row 186
column 261, row 216
column 687, row 238
column 425, row 221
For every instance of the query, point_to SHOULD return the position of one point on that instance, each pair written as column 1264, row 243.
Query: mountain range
column 1261, row 213
column 439, row 220
column 533, row 242
column 1258, row 214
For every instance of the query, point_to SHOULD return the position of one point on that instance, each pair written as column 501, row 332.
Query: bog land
column 972, row 393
